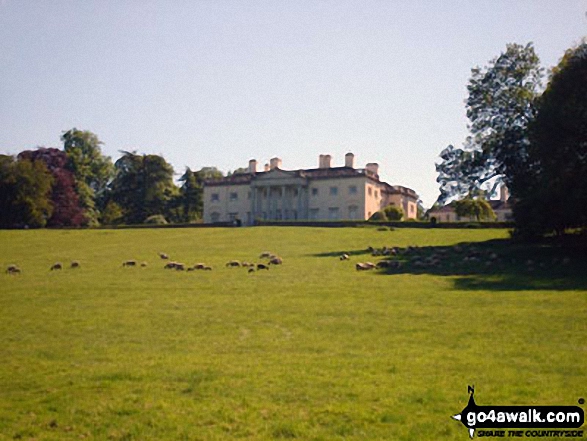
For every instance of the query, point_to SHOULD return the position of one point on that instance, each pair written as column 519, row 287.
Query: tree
column 143, row 186
column 477, row 208
column 25, row 187
column 67, row 210
column 191, row 193
column 91, row 169
column 393, row 213
column 557, row 176
column 500, row 107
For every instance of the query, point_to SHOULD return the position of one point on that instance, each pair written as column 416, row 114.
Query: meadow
column 309, row 350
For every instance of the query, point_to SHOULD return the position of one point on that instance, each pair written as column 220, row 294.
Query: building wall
column 409, row 206
column 226, row 206
column 345, row 203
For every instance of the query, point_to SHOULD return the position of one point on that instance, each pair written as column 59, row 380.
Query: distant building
column 501, row 208
column 323, row 193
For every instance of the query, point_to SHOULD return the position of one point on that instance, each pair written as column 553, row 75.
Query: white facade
column 323, row 193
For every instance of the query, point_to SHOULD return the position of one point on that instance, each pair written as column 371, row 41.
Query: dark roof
column 317, row 173
column 311, row 173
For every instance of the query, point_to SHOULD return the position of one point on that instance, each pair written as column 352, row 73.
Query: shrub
column 393, row 213
column 378, row 216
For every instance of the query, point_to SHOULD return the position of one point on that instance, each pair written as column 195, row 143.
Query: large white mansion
column 323, row 193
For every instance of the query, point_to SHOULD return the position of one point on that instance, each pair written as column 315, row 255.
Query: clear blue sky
column 216, row 83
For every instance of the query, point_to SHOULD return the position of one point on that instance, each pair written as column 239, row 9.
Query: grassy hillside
column 312, row 349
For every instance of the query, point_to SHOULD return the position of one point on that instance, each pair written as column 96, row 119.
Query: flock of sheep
column 270, row 259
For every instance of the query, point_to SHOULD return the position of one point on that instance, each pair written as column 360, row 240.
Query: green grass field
column 310, row 350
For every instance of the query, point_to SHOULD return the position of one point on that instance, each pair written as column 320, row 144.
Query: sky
column 217, row 83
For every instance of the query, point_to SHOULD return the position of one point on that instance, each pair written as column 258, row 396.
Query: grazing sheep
column 56, row 266
column 143, row 264
column 170, row 265
column 199, row 266
column 163, row 256
column 364, row 266
column 251, row 270
column 265, row 255
column 276, row 260
column 207, row 268
column 129, row 263
column 75, row 264
column 233, row 263
column 191, row 268
column 261, row 266
column 180, row 267
column 13, row 269
column 344, row 256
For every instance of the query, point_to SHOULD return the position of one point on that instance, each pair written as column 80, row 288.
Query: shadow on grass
column 494, row 265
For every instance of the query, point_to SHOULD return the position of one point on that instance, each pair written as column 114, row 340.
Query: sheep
column 207, row 268
column 191, row 268
column 344, row 256
column 199, row 266
column 364, row 266
column 170, row 265
column 129, row 263
column 265, row 255
column 179, row 266
column 56, row 266
column 163, row 256
column 75, row 264
column 276, row 260
column 261, row 266
column 143, row 264
column 13, row 269
column 251, row 270
column 233, row 263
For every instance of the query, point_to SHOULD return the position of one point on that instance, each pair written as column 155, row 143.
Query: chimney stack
column 275, row 163
column 253, row 166
column 266, row 167
column 504, row 193
column 349, row 160
column 324, row 161
column 373, row 168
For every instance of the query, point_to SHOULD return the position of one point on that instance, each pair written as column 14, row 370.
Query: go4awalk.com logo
column 515, row 421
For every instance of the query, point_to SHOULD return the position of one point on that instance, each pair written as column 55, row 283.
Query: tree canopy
column 500, row 106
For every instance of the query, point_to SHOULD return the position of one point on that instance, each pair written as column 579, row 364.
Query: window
column 215, row 217
column 333, row 191
column 376, row 194
column 314, row 213
column 232, row 216
column 215, row 197
column 333, row 213
column 353, row 212
column 234, row 196
column 353, row 189
column 369, row 191
column 314, row 192
column 295, row 192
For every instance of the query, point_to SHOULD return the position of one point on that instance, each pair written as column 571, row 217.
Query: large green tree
column 91, row 169
column 500, row 106
column 25, row 190
column 557, row 174
column 143, row 186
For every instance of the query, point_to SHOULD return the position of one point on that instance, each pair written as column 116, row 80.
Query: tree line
column 78, row 185
column 531, row 138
